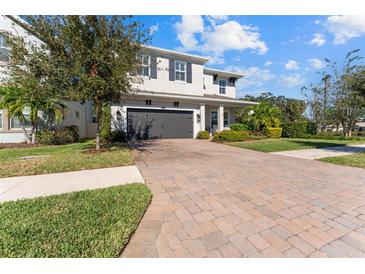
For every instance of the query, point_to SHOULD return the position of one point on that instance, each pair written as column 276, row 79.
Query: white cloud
column 153, row 29
column 317, row 22
column 345, row 27
column 316, row 63
column 318, row 40
column 215, row 35
column 291, row 80
column 233, row 36
column 186, row 30
column 253, row 76
column 292, row 65
column 268, row 63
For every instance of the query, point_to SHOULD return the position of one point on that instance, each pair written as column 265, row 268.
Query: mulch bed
column 18, row 145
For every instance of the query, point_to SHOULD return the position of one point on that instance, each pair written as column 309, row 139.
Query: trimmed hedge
column 61, row 136
column 203, row 135
column 230, row 136
column 239, row 126
column 298, row 129
column 115, row 136
column 273, row 132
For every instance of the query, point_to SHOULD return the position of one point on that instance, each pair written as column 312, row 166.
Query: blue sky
column 278, row 54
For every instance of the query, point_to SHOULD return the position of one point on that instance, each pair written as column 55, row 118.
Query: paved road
column 213, row 200
column 318, row 153
column 48, row 184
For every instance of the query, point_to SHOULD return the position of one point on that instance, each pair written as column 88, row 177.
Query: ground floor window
column 1, row 119
column 214, row 119
column 15, row 122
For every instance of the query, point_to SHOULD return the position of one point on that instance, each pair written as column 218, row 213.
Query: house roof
column 223, row 72
column 179, row 54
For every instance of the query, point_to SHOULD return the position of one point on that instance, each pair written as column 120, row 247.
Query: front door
column 214, row 120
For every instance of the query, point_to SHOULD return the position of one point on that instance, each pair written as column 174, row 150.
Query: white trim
column 180, row 71
column 219, row 86
column 227, row 102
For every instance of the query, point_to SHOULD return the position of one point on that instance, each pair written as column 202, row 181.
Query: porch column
column 220, row 118
column 202, row 117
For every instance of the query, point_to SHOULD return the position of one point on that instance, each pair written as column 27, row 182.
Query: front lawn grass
column 354, row 160
column 92, row 223
column 61, row 158
column 284, row 144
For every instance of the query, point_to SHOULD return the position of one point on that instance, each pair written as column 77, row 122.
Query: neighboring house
column 174, row 96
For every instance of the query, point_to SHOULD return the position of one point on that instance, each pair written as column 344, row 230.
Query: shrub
column 61, row 136
column 298, row 129
column 230, row 136
column 115, row 136
column 239, row 126
column 273, row 132
column 203, row 135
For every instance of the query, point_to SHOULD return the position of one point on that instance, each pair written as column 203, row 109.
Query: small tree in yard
column 101, row 54
column 29, row 85
column 262, row 116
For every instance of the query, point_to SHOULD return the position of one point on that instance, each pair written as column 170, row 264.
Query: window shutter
column 189, row 77
column 153, row 67
column 171, row 70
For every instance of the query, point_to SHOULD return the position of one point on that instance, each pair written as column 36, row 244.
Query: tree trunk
column 350, row 133
column 27, row 138
column 33, row 135
column 98, row 124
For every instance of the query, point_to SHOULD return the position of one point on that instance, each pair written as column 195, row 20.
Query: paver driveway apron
column 213, row 200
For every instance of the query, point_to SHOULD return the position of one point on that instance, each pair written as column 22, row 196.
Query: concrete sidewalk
column 15, row 188
column 318, row 153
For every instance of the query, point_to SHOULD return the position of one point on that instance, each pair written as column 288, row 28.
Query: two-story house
column 174, row 96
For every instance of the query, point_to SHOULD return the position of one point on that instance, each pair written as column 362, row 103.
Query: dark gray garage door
column 155, row 123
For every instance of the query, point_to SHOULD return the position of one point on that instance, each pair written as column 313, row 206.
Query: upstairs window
column 144, row 66
column 4, row 50
column 222, row 86
column 148, row 102
column 180, row 71
column 176, row 104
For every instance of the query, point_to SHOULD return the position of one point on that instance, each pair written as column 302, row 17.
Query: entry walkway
column 318, row 153
column 15, row 188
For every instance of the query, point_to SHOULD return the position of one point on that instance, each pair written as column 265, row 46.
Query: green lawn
column 61, row 158
column 283, row 144
column 93, row 223
column 354, row 160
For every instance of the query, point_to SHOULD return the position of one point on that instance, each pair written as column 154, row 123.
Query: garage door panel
column 151, row 124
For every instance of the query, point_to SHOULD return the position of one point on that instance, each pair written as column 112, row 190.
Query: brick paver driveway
column 213, row 200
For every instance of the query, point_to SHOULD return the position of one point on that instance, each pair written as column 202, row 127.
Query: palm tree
column 16, row 100
column 264, row 115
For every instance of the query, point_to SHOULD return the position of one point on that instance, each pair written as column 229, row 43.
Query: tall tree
column 291, row 110
column 101, row 52
column 339, row 98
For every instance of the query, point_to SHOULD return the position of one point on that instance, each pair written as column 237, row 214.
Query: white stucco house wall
column 174, row 95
